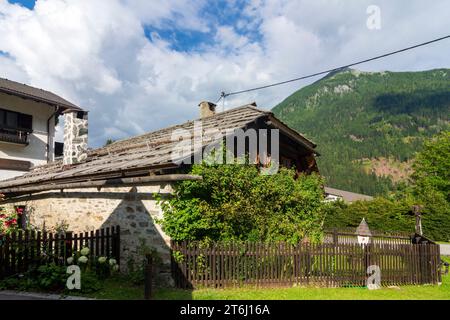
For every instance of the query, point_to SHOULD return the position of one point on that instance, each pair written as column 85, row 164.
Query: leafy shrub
column 235, row 202
column 8, row 220
column 51, row 277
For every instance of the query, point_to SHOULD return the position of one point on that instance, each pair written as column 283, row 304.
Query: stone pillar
column 75, row 137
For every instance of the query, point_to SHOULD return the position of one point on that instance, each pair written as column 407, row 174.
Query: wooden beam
column 14, row 165
column 110, row 183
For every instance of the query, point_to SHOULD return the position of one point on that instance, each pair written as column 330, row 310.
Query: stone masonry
column 133, row 208
column 75, row 137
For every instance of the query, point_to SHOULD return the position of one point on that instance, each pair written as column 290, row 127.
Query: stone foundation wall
column 133, row 208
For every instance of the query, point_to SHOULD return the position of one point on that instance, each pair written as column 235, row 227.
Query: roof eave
column 62, row 106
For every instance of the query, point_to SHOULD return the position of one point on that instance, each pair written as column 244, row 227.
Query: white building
column 332, row 194
column 27, row 126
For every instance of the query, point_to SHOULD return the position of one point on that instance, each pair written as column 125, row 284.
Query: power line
column 224, row 95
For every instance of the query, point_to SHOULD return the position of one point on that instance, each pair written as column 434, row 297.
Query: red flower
column 10, row 222
column 19, row 211
column 2, row 216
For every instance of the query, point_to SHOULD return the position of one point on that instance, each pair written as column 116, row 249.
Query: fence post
column 335, row 236
column 118, row 245
column 148, row 277
column 68, row 245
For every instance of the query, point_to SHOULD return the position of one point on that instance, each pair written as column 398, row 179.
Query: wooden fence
column 275, row 265
column 348, row 236
column 20, row 250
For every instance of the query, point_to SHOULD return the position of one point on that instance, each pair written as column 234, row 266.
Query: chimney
column 75, row 136
column 207, row 109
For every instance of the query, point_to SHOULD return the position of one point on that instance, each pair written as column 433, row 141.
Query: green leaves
column 432, row 165
column 235, row 202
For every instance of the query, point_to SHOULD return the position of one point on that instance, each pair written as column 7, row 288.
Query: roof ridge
column 246, row 106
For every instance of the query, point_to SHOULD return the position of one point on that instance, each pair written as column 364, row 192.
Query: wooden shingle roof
column 363, row 229
column 140, row 154
column 28, row 92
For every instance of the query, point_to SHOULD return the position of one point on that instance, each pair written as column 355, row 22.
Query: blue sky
column 217, row 13
column 26, row 3
column 140, row 65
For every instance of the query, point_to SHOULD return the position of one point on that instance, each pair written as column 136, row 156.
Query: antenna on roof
column 222, row 97
column 223, row 102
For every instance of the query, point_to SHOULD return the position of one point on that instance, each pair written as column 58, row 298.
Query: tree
column 109, row 141
column 432, row 166
column 430, row 188
column 235, row 202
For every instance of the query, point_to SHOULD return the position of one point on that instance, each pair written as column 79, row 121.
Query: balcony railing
column 14, row 136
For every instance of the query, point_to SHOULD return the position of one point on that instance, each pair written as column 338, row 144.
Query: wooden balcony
column 14, row 136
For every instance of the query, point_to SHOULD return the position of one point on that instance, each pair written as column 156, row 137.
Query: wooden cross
column 418, row 214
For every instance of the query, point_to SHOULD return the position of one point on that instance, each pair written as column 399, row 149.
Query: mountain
column 368, row 125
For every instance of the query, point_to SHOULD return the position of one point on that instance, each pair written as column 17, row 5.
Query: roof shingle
column 144, row 152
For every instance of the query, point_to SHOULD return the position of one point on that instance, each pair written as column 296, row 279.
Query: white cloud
column 95, row 52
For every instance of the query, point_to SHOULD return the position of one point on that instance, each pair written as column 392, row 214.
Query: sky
column 141, row 65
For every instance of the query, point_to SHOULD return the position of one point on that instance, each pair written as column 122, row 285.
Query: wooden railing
column 14, row 136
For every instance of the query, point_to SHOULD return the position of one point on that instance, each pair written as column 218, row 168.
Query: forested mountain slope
column 369, row 124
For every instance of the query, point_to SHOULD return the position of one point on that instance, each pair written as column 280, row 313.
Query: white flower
column 69, row 260
column 115, row 267
column 84, row 251
column 82, row 259
column 112, row 262
column 102, row 259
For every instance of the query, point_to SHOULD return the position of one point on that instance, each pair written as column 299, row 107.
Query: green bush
column 381, row 214
column 50, row 277
column 236, row 202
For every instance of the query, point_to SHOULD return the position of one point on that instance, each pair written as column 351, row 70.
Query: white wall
column 36, row 150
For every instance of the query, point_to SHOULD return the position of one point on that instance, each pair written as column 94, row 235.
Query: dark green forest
column 354, row 116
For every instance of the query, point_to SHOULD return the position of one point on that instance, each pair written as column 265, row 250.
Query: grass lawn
column 119, row 289
column 441, row 292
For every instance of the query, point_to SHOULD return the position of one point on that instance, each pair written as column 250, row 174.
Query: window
column 15, row 120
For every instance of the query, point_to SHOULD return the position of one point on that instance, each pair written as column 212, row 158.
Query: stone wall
column 133, row 208
column 75, row 137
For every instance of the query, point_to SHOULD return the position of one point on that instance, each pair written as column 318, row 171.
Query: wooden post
column 148, row 277
column 335, row 236
column 418, row 215
column 69, row 236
